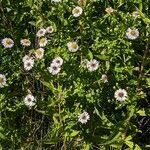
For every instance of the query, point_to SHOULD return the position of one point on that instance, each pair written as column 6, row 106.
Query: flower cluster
column 55, row 66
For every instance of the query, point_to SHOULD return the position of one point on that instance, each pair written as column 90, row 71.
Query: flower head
column 7, row 43
column 104, row 78
column 54, row 69
column 83, row 117
column 72, row 46
column 135, row 14
column 77, row 11
column 41, row 32
column 25, row 42
column 109, row 10
column 132, row 33
column 120, row 95
column 42, row 42
column 2, row 80
column 92, row 65
column 58, row 61
column 30, row 100
column 49, row 29
column 28, row 64
column 39, row 53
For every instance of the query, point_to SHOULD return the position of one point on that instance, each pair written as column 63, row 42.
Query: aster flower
column 58, row 61
column 42, row 42
column 92, row 65
column 104, row 78
column 72, row 46
column 7, row 43
column 28, row 64
column 132, row 33
column 109, row 10
column 26, row 57
column 2, row 80
column 83, row 117
column 54, row 69
column 30, row 100
column 120, row 95
column 25, row 42
column 77, row 11
column 135, row 14
column 39, row 53
column 49, row 29
column 41, row 32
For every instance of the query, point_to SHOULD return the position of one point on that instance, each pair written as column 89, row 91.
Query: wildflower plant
column 74, row 74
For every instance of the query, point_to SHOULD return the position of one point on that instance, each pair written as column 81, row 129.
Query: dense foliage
column 98, row 95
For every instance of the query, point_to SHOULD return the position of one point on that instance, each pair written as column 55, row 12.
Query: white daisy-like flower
column 72, row 46
column 77, row 11
column 54, row 69
column 58, row 61
column 25, row 42
column 56, row 1
column 83, row 117
column 135, row 14
column 104, row 78
column 132, row 33
column 42, row 42
column 7, row 42
column 49, row 29
column 30, row 100
column 41, row 32
column 92, row 65
column 109, row 10
column 120, row 95
column 26, row 58
column 2, row 80
column 28, row 64
column 39, row 53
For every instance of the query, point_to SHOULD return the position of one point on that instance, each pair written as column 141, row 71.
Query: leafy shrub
column 81, row 82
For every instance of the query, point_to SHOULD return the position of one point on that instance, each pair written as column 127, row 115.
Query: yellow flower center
column 38, row 52
column 42, row 40
column 1, row 80
column 133, row 33
column 76, row 11
column 9, row 42
column 74, row 45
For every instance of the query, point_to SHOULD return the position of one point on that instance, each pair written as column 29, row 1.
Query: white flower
column 56, row 1
column 41, row 32
column 26, row 57
column 84, row 117
column 120, row 95
column 42, row 42
column 92, row 65
column 104, row 78
column 7, row 43
column 135, row 14
column 30, row 100
column 25, row 42
column 54, row 69
column 132, row 33
column 49, row 29
column 2, row 80
column 109, row 10
column 77, row 11
column 28, row 64
column 72, row 46
column 58, row 61
column 39, row 53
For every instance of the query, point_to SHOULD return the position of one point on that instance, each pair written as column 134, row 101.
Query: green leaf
column 74, row 133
